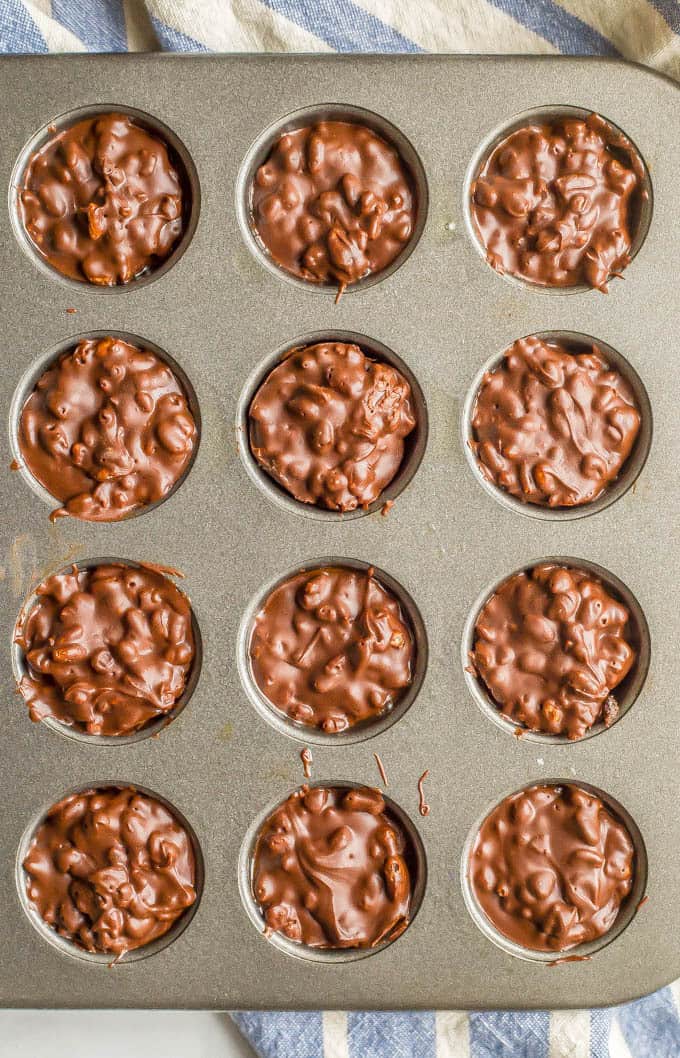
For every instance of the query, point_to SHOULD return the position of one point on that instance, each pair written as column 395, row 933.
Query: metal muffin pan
column 219, row 314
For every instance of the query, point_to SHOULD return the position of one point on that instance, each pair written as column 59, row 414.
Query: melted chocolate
column 381, row 768
column 551, row 427
column 331, row 869
column 551, row 867
column 107, row 430
column 550, row 645
column 307, row 761
column 558, row 204
column 110, row 869
column 331, row 648
column 107, row 650
column 567, row 959
column 423, row 806
column 328, row 425
column 102, row 202
column 333, row 203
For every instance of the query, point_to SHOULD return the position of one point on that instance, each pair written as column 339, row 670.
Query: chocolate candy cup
column 110, row 870
column 108, row 430
column 106, row 650
column 331, row 648
column 333, row 196
column 552, row 867
column 550, row 645
column 554, row 424
column 332, row 869
column 328, row 424
column 558, row 202
column 104, row 201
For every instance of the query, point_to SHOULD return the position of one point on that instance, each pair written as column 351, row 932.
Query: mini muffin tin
column 221, row 318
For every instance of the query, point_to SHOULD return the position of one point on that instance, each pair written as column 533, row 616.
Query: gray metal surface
column 220, row 314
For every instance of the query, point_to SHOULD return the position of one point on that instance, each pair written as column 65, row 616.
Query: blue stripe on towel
column 570, row 34
column 510, row 1034
column 100, row 24
column 343, row 25
column 600, row 1028
column 651, row 1026
column 397, row 1035
column 670, row 11
column 18, row 31
column 173, row 39
column 283, row 1034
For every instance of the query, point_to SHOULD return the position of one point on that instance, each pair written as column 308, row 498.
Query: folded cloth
column 647, row 31
column 644, row 30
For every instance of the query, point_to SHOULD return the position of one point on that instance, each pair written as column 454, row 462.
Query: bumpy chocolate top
column 550, row 645
column 110, row 869
column 331, row 648
column 328, row 425
column 107, row 430
column 331, row 869
column 102, row 202
column 553, row 427
column 107, row 649
column 558, row 204
column 551, row 867
column 333, row 202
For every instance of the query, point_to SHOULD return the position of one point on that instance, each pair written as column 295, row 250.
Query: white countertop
column 119, row 1034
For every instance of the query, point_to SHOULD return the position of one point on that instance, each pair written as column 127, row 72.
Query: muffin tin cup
column 303, row 118
column 330, row 955
column 152, row 730
column 44, row 361
column 225, row 315
column 359, row 732
column 414, row 444
column 179, row 155
column 631, row 469
column 627, row 911
column 625, row 693
column 545, row 115
column 106, row 960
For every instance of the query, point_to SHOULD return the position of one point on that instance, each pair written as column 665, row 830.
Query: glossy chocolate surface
column 551, row 867
column 331, row 648
column 333, row 203
column 110, row 869
column 101, row 200
column 558, row 204
column 550, row 645
column 107, row 430
column 331, row 869
column 107, row 650
column 328, row 424
column 552, row 426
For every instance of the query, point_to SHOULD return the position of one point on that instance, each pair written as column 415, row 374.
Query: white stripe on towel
column 675, row 992
column 335, row 1034
column 569, row 1034
column 139, row 31
column 452, row 1029
column 618, row 1048
column 241, row 25
column 635, row 28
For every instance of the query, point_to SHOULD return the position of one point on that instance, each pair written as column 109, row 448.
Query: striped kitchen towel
column 645, row 30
